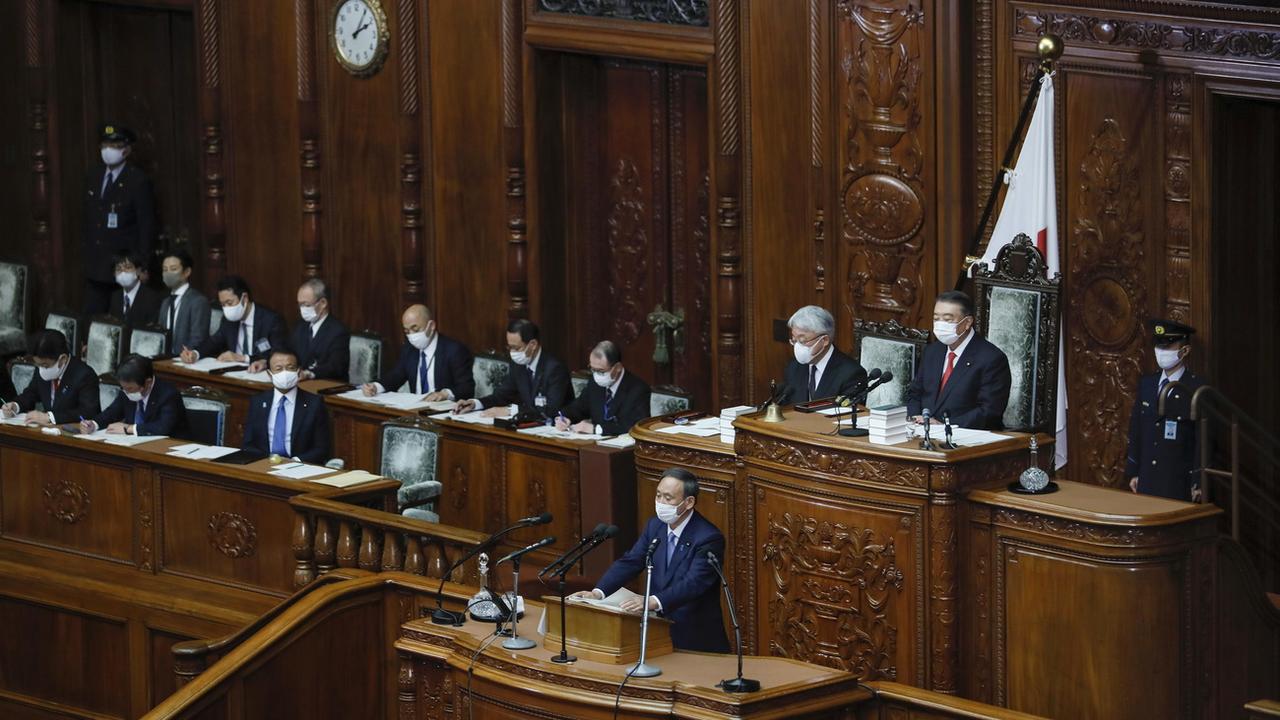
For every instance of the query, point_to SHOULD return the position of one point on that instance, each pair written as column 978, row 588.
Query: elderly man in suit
column 135, row 304
column 433, row 365
column 962, row 376
column 537, row 383
column 818, row 369
column 67, row 389
column 613, row 402
column 322, row 342
column 685, row 588
column 184, row 312
column 249, row 332
column 286, row 421
column 146, row 404
column 119, row 215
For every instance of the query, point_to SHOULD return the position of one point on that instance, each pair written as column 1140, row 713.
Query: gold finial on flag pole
column 1049, row 49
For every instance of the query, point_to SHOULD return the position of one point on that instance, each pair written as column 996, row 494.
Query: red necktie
column 53, row 396
column 946, row 374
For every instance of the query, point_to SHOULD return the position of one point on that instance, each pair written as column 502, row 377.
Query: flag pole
column 1050, row 49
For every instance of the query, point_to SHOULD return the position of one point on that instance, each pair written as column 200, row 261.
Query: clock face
column 359, row 35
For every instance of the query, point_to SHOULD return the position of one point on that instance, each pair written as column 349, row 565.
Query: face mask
column 126, row 280
column 666, row 513
column 112, row 156
column 285, row 380
column 419, row 340
column 945, row 331
column 603, row 379
column 519, row 357
column 1167, row 359
column 309, row 313
column 52, row 372
column 803, row 353
column 233, row 313
column 173, row 280
column 133, row 397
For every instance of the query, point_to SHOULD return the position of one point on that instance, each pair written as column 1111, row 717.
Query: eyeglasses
column 808, row 343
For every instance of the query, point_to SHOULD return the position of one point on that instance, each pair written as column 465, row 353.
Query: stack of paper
column 396, row 400
column 261, row 376
column 475, row 418
column 19, row 419
column 727, row 432
column 131, row 440
column 706, row 427
column 299, row 471
column 550, row 431
column 888, row 424
column 346, row 479
column 968, row 437
column 196, row 451
column 207, row 364
column 622, row 441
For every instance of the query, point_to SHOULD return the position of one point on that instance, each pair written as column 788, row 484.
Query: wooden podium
column 603, row 634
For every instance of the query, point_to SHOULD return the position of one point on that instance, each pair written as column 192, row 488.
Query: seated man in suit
column 287, row 421
column 185, row 311
column 322, row 342
column 135, row 304
column 537, row 383
column 146, row 404
column 818, row 369
column 249, row 330
column 613, row 402
column 435, row 366
column 961, row 376
column 685, row 587
column 66, row 388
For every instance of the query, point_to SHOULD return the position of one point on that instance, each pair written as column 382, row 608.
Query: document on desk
column 475, row 418
column 207, row 364
column 300, row 471
column 95, row 436
column 833, row 411
column 614, row 601
column 19, row 419
column 397, row 400
column 622, row 441
column 347, row 479
column 966, row 437
column 131, row 440
column 550, row 431
column 262, row 377
column 694, row 430
column 196, row 451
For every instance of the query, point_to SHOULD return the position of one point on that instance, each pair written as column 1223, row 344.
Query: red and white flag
column 1031, row 207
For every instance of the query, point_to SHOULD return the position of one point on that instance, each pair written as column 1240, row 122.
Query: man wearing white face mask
column 146, row 404
column 817, row 369
column 537, row 384
column 286, row 421
column 133, row 302
column 431, row 364
column 322, row 341
column 66, row 388
column 1163, row 453
column 249, row 330
column 119, row 216
column 962, row 376
column 613, row 402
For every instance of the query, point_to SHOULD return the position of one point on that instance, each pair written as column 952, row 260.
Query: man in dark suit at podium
column 613, row 402
column 322, row 342
column 537, row 384
column 818, row 369
column 434, row 366
column 1164, row 453
column 962, row 376
column 287, row 421
column 685, row 588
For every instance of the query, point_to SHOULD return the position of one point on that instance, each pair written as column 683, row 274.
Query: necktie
column 53, row 396
column 244, row 339
column 139, row 414
column 946, row 374
column 608, row 398
column 106, row 183
column 126, row 303
column 424, row 372
column 277, row 437
column 173, row 309
column 813, row 381
column 671, row 547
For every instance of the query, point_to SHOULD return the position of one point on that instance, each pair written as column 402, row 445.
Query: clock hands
column 356, row 34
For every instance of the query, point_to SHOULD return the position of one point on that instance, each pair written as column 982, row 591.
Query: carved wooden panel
column 464, row 469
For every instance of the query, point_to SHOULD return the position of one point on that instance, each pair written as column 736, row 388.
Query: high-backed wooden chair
column 21, row 373
column 149, row 341
column 410, row 448
column 1018, row 312
column 489, row 370
column 366, row 358
column 105, row 346
column 207, row 412
column 15, row 294
column 69, row 325
column 581, row 380
column 890, row 347
column 667, row 399
column 108, row 391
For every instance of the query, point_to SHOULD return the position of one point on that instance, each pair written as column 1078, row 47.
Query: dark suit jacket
column 145, row 309
column 190, row 322
column 1164, row 467
column 134, row 204
column 689, row 589
column 77, row 394
column 163, row 415
column 977, row 393
column 552, row 381
column 451, row 369
column 309, row 436
column 842, row 376
column 328, row 354
column 629, row 405
column 267, row 326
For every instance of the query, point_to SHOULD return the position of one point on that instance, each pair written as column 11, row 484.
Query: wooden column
column 309, row 134
column 213, row 222
column 513, row 160
column 414, row 266
column 726, row 104
column 37, row 22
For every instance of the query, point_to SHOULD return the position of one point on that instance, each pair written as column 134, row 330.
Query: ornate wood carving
column 984, row 73
column 825, row 460
column 232, row 534
column 944, row 601
column 66, row 500
column 212, row 221
column 980, row 541
column 1132, row 31
column 459, row 488
column 882, row 190
column 700, row 261
column 410, row 130
column 513, row 159
column 1108, row 303
column 832, row 576
column 406, row 688
column 146, row 526
column 308, row 129
column 692, row 13
column 628, row 241
column 685, row 457
column 728, row 239
column 304, row 570
column 1177, row 197
column 1093, row 534
column 34, row 22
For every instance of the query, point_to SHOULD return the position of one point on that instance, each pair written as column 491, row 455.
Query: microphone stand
column 564, row 564
column 642, row 668
column 738, row 684
column 926, row 443
column 946, row 431
column 440, row 616
column 515, row 642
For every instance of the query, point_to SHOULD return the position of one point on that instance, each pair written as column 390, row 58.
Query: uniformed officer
column 119, row 216
column 1164, row 454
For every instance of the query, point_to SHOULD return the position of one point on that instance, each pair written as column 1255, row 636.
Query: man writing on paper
column 146, row 404
column 961, row 376
column 432, row 365
column 613, row 402
column 323, row 343
column 536, row 383
column 287, row 421
column 67, row 388
column 248, row 331
column 685, row 588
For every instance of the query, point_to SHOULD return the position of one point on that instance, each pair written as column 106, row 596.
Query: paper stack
column 727, row 432
column 888, row 424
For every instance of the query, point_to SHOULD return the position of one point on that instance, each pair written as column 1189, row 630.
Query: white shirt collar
column 292, row 395
column 131, row 294
column 680, row 528
column 430, row 350
column 1175, row 375
column 964, row 343
column 613, row 387
column 826, row 358
column 533, row 364
column 182, row 290
column 248, row 317
column 315, row 325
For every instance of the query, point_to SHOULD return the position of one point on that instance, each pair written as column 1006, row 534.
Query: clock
column 359, row 36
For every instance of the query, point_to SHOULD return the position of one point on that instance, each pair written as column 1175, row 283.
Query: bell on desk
column 482, row 606
column 773, row 413
column 1033, row 480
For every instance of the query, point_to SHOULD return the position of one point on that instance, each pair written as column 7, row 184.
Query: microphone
column 880, row 379
column 440, row 616
column 648, row 554
column 738, row 684
column 549, row 540
column 589, row 537
column 926, row 443
column 946, row 429
column 571, row 558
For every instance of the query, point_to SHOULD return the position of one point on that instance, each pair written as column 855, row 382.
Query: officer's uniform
column 119, row 216
column 1164, row 452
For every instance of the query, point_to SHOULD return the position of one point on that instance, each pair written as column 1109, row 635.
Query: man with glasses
column 962, row 376
column 613, row 402
column 536, row 384
column 817, row 369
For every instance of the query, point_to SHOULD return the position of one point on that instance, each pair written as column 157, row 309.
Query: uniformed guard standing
column 119, row 216
column 1164, row 454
